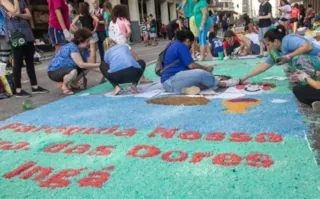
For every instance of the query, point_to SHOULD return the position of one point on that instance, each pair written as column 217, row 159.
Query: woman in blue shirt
column 303, row 55
column 69, row 63
column 121, row 65
column 185, row 76
column 294, row 49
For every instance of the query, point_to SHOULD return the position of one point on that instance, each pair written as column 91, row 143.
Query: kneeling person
column 120, row 66
column 69, row 64
column 185, row 76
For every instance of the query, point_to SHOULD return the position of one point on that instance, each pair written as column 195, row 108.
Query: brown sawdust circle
column 179, row 100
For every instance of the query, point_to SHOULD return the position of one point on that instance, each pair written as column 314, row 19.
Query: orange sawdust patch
column 179, row 100
column 240, row 105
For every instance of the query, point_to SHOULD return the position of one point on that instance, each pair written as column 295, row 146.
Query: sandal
column 67, row 91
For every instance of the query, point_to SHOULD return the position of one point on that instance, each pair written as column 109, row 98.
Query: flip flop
column 67, row 91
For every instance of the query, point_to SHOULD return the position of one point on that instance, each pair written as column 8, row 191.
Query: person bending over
column 120, row 66
column 230, row 43
column 69, row 64
column 296, row 50
column 250, row 43
column 185, row 76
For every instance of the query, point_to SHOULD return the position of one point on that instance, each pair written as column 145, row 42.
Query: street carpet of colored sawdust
column 100, row 136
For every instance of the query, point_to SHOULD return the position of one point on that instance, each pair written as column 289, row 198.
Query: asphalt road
column 13, row 106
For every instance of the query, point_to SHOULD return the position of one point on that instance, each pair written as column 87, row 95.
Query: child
column 230, row 43
column 87, row 20
column 215, row 44
column 295, row 14
column 143, row 30
column 153, row 30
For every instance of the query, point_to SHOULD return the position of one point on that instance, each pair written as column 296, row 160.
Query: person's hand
column 302, row 76
column 294, row 78
column 67, row 35
column 209, row 69
column 11, row 15
column 258, row 17
column 241, row 81
column 201, row 28
column 226, row 58
column 284, row 59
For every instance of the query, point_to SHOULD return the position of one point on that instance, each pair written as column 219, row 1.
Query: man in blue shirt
column 185, row 76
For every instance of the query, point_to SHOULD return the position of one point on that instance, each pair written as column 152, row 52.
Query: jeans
column 101, row 37
column 188, row 78
column 262, row 32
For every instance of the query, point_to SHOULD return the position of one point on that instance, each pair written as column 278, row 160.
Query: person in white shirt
column 285, row 10
column 250, row 43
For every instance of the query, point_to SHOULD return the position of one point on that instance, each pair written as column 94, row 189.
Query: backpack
column 159, row 69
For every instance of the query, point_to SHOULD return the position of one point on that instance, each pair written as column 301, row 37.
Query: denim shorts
column 57, row 36
column 254, row 48
column 262, row 31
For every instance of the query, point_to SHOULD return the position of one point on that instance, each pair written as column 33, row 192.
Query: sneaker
column 39, row 90
column 231, row 82
column 316, row 106
column 23, row 93
column 193, row 90
column 260, row 56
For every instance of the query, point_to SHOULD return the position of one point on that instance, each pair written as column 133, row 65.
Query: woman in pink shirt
column 120, row 30
column 59, row 23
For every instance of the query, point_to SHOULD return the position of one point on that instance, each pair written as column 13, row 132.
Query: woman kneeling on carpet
column 69, row 64
column 120, row 66
column 182, row 74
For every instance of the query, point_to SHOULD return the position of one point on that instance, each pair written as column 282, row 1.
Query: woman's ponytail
column 278, row 33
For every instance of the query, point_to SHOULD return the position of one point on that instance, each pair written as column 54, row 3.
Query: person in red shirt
column 230, row 42
column 295, row 13
column 164, row 31
column 59, row 23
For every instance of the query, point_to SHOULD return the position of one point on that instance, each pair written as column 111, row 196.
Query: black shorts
column 284, row 19
column 292, row 20
column 230, row 49
column 58, row 75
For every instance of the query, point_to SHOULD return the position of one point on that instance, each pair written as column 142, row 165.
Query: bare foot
column 144, row 80
column 134, row 89
column 116, row 91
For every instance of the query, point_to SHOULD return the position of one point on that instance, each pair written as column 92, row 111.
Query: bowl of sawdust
column 179, row 100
